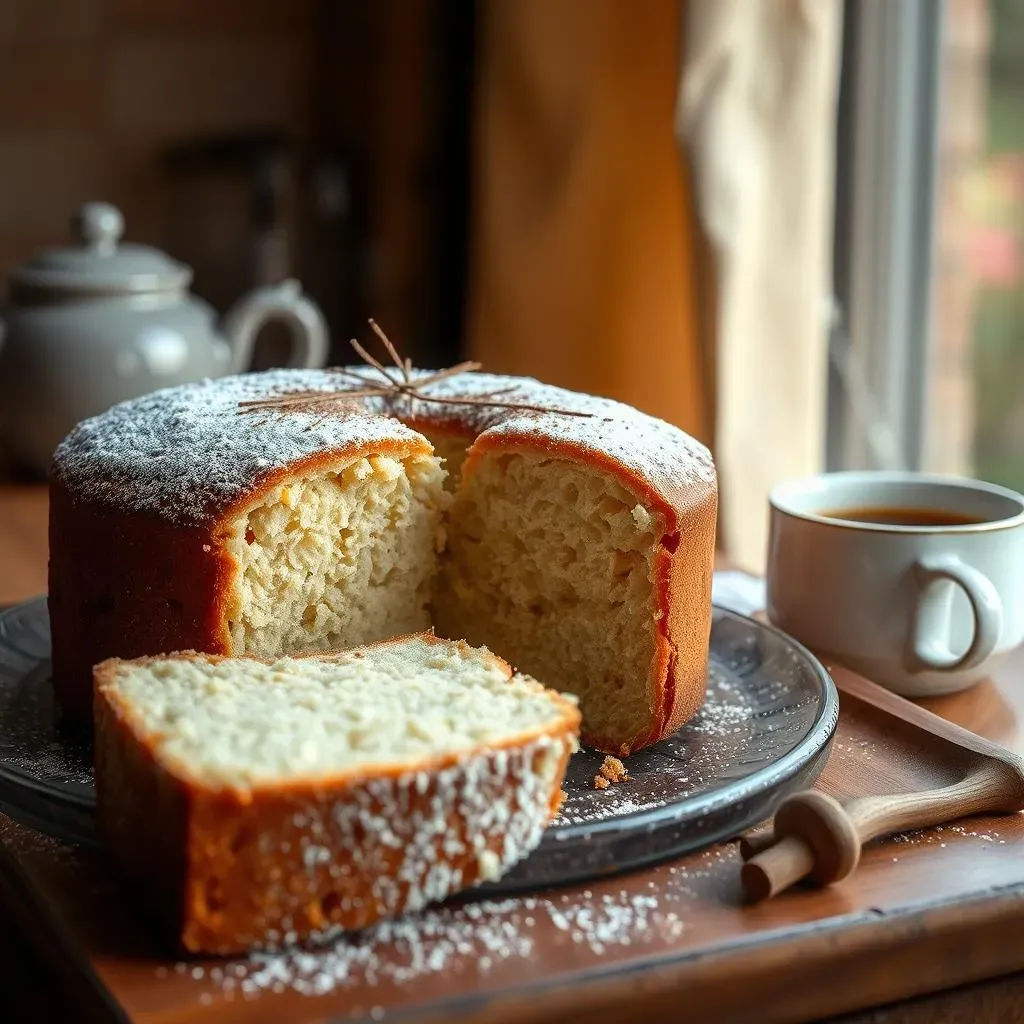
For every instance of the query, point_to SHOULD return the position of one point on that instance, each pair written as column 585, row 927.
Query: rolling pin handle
column 816, row 838
column 756, row 840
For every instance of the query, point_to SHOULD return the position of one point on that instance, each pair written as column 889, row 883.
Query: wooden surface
column 23, row 544
column 814, row 835
column 923, row 913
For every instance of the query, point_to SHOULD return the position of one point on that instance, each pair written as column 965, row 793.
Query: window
column 885, row 166
column 976, row 407
column 927, row 347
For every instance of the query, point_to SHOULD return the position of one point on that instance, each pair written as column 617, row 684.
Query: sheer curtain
column 757, row 113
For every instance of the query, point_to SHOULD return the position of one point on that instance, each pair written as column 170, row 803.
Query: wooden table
column 867, row 938
column 23, row 544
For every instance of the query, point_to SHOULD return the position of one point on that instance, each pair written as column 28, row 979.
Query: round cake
column 292, row 512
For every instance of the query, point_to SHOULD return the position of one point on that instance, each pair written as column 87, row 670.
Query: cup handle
column 283, row 302
column 927, row 650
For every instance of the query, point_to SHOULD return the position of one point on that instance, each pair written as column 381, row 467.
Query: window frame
column 883, row 243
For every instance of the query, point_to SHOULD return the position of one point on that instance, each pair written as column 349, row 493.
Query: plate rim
column 761, row 782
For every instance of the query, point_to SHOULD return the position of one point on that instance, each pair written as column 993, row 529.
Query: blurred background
column 792, row 227
column 253, row 140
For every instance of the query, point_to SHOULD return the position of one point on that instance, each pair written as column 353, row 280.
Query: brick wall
column 92, row 92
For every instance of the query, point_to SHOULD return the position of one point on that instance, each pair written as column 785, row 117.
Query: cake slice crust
column 271, row 802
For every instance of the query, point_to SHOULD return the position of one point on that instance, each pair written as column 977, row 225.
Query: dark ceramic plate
column 764, row 732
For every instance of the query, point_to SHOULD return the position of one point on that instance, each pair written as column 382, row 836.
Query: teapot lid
column 99, row 263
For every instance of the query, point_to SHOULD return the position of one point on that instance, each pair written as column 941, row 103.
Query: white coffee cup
column 925, row 608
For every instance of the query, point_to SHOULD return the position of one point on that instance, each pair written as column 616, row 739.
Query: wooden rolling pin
column 816, row 837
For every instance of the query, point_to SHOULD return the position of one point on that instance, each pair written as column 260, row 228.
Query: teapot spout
column 284, row 302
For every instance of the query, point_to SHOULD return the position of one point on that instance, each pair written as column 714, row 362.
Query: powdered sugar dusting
column 31, row 744
column 186, row 453
column 65, row 764
column 648, row 445
column 940, row 834
column 389, row 845
column 474, row 937
column 863, row 749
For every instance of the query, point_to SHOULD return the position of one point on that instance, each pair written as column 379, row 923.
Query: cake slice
column 260, row 803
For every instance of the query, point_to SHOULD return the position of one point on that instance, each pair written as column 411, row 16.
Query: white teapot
column 95, row 324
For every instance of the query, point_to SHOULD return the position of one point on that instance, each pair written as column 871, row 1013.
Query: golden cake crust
column 126, row 583
column 233, row 868
column 142, row 494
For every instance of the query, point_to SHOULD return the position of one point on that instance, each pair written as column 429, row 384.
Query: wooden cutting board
column 924, row 911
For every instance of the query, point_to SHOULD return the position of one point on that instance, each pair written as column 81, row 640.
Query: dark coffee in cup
column 885, row 515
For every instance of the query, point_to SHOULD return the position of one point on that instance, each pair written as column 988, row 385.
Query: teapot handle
column 284, row 302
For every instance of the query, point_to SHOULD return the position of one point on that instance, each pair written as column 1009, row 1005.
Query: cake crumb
column 600, row 782
column 613, row 770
